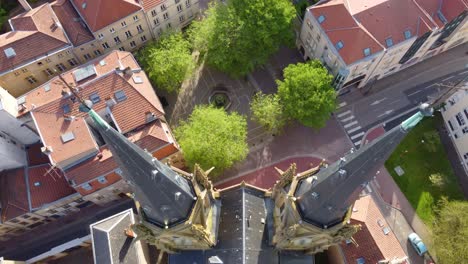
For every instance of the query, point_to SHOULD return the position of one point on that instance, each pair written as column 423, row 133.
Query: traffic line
column 448, row 78
column 347, row 119
column 462, row 72
column 350, row 124
column 342, row 104
column 357, row 136
column 354, row 129
column 411, row 94
column 344, row 113
column 357, row 143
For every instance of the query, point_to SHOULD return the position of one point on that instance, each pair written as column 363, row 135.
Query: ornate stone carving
column 286, row 177
column 201, row 177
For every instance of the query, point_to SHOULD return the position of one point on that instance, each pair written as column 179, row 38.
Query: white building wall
column 12, row 153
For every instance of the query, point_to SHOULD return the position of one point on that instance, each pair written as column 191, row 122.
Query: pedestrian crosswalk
column 351, row 126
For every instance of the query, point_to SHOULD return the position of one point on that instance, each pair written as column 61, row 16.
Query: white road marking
column 386, row 113
column 431, row 85
column 342, row 104
column 357, row 136
column 347, row 119
column 448, row 78
column 378, row 101
column 354, row 129
column 394, row 102
column 350, row 124
column 463, row 72
column 344, row 113
column 411, row 94
column 357, row 143
column 368, row 188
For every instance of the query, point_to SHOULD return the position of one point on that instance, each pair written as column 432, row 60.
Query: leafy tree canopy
column 239, row 35
column 168, row 61
column 213, row 138
column 307, row 94
column 267, row 110
column 451, row 232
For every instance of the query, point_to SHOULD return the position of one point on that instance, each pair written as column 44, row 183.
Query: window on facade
column 120, row 96
column 367, row 52
column 101, row 36
column 72, row 62
column 124, row 24
column 139, row 28
column 48, row 72
column 321, row 18
column 176, row 1
column 112, row 30
column 87, row 56
column 460, row 119
column 187, row 3
column 156, row 22
column 60, row 55
column 132, row 44
column 465, row 130
column 181, row 18
column 169, row 25
column 128, row 34
column 143, row 38
column 97, row 52
column 39, row 63
column 105, row 45
column 153, row 13
column 339, row 45
column 163, row 7
column 450, row 125
column 31, row 80
column 389, row 42
column 17, row 73
column 24, row 70
column 179, row 8
column 407, row 34
column 166, row 16
column 117, row 40
column 122, row 49
column 135, row 18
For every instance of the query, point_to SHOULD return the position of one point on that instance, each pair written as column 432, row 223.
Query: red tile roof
column 52, row 185
column 76, row 31
column 373, row 244
column 101, row 13
column 13, row 194
column 150, row 4
column 362, row 24
column 452, row 8
column 34, row 35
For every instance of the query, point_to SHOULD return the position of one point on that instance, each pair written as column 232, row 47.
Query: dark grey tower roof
column 324, row 200
column 166, row 197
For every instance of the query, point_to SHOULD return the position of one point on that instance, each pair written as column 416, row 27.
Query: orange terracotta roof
column 452, row 8
column 101, row 13
column 362, row 24
column 150, row 4
column 47, row 185
column 76, row 30
column 373, row 244
column 13, row 194
column 34, row 35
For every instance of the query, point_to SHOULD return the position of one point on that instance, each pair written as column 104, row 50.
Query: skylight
column 367, row 52
column 69, row 136
column 407, row 34
column 321, row 18
column 339, row 45
column 84, row 72
column 94, row 97
column 102, row 62
column 120, row 96
column 389, row 42
column 137, row 79
column 10, row 52
column 66, row 108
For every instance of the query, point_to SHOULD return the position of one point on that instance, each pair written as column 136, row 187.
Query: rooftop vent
column 69, row 136
column 102, row 62
column 10, row 52
column 83, row 5
column 37, row 184
column 47, row 87
column 84, row 73
column 46, row 150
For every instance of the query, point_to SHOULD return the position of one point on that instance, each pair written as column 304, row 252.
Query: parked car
column 417, row 243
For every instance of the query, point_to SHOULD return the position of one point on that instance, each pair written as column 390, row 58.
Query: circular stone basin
column 220, row 98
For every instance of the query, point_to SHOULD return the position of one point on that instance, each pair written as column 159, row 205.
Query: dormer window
column 339, row 45
column 407, row 34
column 94, row 97
column 10, row 52
column 87, row 187
column 120, row 96
column 102, row 180
column 66, row 108
column 389, row 42
column 367, row 52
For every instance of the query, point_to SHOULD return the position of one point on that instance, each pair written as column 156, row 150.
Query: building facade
column 360, row 44
column 58, row 36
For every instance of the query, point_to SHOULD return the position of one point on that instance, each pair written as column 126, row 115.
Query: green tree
column 213, row 138
column 3, row 18
column 451, row 232
column 168, row 61
column 239, row 35
column 307, row 94
column 267, row 110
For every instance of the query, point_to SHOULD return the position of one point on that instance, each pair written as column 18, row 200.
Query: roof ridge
column 339, row 29
column 426, row 14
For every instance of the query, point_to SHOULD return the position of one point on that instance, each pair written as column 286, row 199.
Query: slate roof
column 150, row 4
column 101, row 13
column 325, row 201
column 242, row 237
column 373, row 244
column 111, row 245
column 34, row 35
column 71, row 21
column 361, row 24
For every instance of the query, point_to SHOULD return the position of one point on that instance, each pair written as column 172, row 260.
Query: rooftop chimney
column 25, row 5
column 46, row 150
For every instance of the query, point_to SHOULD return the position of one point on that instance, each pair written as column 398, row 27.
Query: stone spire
column 325, row 200
column 312, row 208
column 165, row 196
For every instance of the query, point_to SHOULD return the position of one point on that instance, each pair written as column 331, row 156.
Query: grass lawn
column 419, row 162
